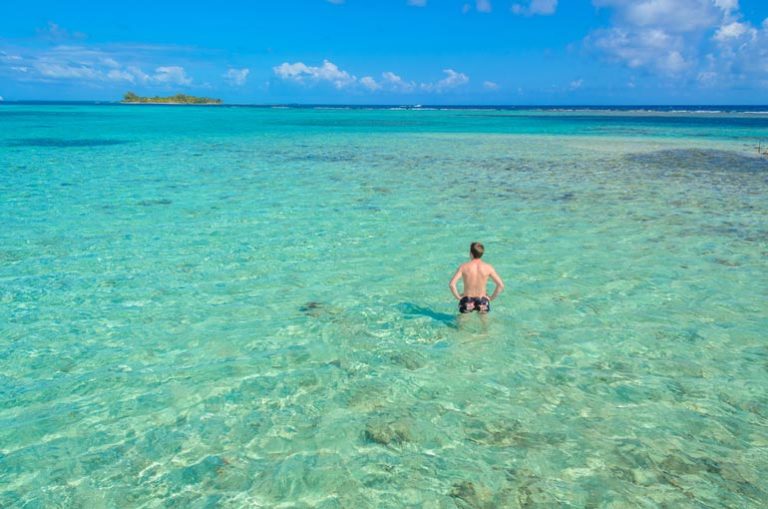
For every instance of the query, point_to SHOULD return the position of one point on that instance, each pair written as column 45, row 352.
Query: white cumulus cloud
column 172, row 74
column 734, row 31
column 237, row 77
column 328, row 72
column 370, row 83
column 483, row 6
column 669, row 15
column 89, row 66
column 120, row 75
column 480, row 5
column 727, row 5
column 704, row 41
column 417, row 3
column 5, row 57
column 389, row 82
column 138, row 74
column 707, row 78
column 394, row 82
column 651, row 47
column 65, row 71
column 302, row 73
column 490, row 85
column 452, row 79
column 54, row 32
column 536, row 7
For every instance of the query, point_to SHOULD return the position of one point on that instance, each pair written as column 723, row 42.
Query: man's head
column 476, row 249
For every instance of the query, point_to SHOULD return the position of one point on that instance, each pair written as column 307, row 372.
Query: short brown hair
column 477, row 250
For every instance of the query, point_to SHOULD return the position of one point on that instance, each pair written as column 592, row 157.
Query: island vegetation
column 132, row 98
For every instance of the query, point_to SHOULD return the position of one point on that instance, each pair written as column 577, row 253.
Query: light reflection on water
column 263, row 319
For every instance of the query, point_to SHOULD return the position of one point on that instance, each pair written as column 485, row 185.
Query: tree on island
column 130, row 97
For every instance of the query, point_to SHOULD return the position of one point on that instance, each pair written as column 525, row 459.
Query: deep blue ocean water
column 248, row 307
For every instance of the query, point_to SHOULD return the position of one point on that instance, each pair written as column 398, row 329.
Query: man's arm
column 452, row 284
column 499, row 284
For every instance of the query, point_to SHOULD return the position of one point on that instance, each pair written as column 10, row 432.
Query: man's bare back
column 474, row 275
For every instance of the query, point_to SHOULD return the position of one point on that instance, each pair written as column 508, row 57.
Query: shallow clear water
column 238, row 307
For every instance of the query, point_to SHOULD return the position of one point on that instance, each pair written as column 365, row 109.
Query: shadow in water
column 411, row 310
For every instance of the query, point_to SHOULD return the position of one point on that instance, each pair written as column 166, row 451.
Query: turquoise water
column 248, row 307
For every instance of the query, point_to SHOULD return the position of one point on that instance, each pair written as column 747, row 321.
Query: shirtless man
column 475, row 274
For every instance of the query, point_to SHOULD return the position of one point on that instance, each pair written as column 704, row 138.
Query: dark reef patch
column 149, row 203
column 62, row 142
column 392, row 432
column 701, row 159
column 310, row 306
column 314, row 309
column 322, row 158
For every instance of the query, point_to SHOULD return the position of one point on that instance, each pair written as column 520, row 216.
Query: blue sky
column 390, row 51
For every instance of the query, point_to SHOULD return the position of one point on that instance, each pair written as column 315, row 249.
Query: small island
column 131, row 98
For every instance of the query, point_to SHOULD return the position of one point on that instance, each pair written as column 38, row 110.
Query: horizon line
column 401, row 105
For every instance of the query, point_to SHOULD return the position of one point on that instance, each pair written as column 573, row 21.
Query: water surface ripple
column 223, row 307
